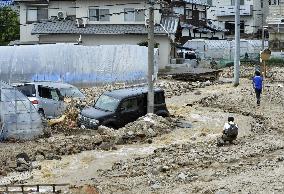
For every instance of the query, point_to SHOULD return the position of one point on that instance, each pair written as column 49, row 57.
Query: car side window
column 44, row 92
column 130, row 104
column 54, row 94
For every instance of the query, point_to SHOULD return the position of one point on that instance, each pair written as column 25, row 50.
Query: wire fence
column 18, row 117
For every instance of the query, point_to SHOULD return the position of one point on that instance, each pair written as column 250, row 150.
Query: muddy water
column 84, row 166
column 78, row 169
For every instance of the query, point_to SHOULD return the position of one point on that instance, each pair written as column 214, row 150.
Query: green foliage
column 9, row 26
column 275, row 62
column 145, row 43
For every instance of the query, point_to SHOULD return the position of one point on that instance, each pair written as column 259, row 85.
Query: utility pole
column 237, row 44
column 262, row 45
column 150, row 107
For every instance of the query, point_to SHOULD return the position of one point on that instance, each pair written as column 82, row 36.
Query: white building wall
column 66, row 6
column 252, row 22
column 83, row 10
column 80, row 8
column 91, row 40
column 25, row 29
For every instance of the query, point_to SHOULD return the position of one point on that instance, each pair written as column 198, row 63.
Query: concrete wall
column 89, row 40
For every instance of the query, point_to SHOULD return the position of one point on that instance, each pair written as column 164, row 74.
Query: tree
column 9, row 25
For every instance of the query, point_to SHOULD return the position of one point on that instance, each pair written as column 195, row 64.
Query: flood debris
column 193, row 74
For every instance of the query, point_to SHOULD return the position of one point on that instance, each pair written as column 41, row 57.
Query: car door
column 45, row 100
column 129, row 110
column 50, row 101
column 58, row 102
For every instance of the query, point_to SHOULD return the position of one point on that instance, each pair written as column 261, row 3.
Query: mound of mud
column 143, row 129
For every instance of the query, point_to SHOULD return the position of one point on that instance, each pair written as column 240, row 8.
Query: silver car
column 48, row 97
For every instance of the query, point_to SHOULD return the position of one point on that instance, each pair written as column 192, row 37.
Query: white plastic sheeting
column 18, row 117
column 75, row 64
column 224, row 49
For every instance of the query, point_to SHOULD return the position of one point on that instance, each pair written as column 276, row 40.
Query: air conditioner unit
column 79, row 22
column 147, row 21
column 61, row 15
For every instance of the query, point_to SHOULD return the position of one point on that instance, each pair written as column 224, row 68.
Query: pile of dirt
column 176, row 88
column 143, row 129
column 245, row 72
column 276, row 74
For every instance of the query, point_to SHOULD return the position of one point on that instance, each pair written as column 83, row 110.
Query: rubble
column 197, row 166
column 141, row 130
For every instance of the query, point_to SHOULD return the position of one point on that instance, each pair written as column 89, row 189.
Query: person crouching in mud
column 230, row 132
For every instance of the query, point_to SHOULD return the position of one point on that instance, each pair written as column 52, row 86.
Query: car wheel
column 163, row 115
column 110, row 125
column 41, row 113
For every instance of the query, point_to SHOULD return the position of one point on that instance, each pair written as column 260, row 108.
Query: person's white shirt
column 227, row 125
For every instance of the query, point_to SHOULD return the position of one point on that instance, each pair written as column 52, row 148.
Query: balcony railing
column 229, row 10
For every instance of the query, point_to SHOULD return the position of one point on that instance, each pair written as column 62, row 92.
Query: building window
column 202, row 15
column 131, row 15
column 188, row 14
column 35, row 14
column 99, row 15
column 261, row 3
column 242, row 2
column 273, row 2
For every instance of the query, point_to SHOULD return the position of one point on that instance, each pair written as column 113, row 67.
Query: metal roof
column 70, row 27
column 128, row 92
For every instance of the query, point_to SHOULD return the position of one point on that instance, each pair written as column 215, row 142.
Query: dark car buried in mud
column 118, row 107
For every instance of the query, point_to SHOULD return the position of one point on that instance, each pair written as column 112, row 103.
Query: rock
column 39, row 157
column 207, row 83
column 182, row 176
column 165, row 168
column 156, row 186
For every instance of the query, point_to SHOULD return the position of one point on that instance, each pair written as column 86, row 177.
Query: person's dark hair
column 257, row 73
column 231, row 119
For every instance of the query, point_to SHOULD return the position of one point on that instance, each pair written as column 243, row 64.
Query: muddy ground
column 180, row 159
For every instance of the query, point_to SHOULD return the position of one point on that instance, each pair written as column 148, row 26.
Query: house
column 94, row 22
column 252, row 16
column 275, row 21
column 194, row 21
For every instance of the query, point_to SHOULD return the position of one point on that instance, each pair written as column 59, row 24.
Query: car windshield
column 107, row 103
column 71, row 92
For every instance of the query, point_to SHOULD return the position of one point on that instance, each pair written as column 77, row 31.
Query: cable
column 111, row 14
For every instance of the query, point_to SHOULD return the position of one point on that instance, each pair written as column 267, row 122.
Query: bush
column 275, row 61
